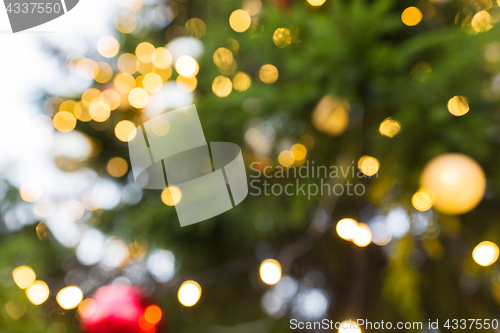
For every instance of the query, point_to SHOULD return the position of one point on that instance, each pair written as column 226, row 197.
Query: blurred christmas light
column 486, row 253
column 125, row 22
column 347, row 228
column 186, row 66
column 381, row 233
column 112, row 97
column 90, row 94
column 64, row 121
column 282, row 37
column 299, row 151
column 99, row 111
column 252, row 7
column 412, row 16
column 87, row 69
column 362, row 236
column 171, row 195
column 195, row 27
column 153, row 314
column 270, row 271
column 163, row 58
column 423, row 199
column 286, row 158
column 331, row 115
column 128, row 63
column 69, row 297
column 42, row 231
column 482, row 21
column 87, row 308
column 240, row 20
column 138, row 98
column 368, row 165
column 124, row 83
column 73, row 210
column 45, row 207
column 30, row 191
column 223, row 58
column 349, row 326
column 161, row 265
column 241, row 81
column 160, row 126
column 222, row 86
column 316, row 3
column 389, row 127
column 38, row 293
column 145, row 52
column 152, row 82
column 24, row 277
column 458, row 106
column 108, row 46
column 104, row 72
column 268, row 74
column 189, row 293
column 187, row 84
column 457, row 181
column 14, row 310
column 117, row 167
column 125, row 130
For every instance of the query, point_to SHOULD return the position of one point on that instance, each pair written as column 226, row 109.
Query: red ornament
column 120, row 309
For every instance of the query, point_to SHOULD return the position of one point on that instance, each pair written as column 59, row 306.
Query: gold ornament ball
column 458, row 183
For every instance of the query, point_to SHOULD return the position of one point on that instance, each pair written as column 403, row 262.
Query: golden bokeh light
column 268, row 74
column 104, row 72
column 69, row 297
column 145, row 52
column 87, row 308
column 64, row 121
column 124, row 83
column 362, row 236
column 486, row 253
column 125, row 130
column 112, row 97
column 187, row 84
column 90, row 94
column 347, row 228
column 152, row 82
column 117, row 167
column 349, row 326
column 457, row 181
column 171, row 195
column 368, row 165
column 45, row 207
column 286, row 158
column 30, row 191
column 222, row 86
column 240, row 20
column 128, row 63
column 458, row 105
column 308, row 141
column 189, row 293
column 482, row 21
column 316, row 3
column 270, row 271
column 14, row 310
column 163, row 58
column 423, row 200
column 331, row 115
column 252, row 7
column 389, row 127
column 187, row 66
column 99, row 110
column 24, row 277
column 138, row 98
column 68, row 105
column 282, row 37
column 299, row 151
column 108, row 46
column 125, row 22
column 411, row 16
column 153, row 314
column 241, row 81
column 223, row 58
column 195, row 27
column 38, row 293
column 87, row 69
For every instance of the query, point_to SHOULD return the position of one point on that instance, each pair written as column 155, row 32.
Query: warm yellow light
column 186, row 66
column 349, row 326
column 112, row 97
column 268, row 74
column 316, row 2
column 368, row 165
column 125, row 130
column 195, row 27
column 457, row 181
column 64, row 121
column 99, row 110
column 30, row 192
column 104, row 72
column 38, row 293
column 171, row 195
column 362, row 236
column 241, row 81
column 423, row 200
column 223, row 58
column 138, row 98
column 128, row 63
column 252, row 7
column 108, row 46
column 69, row 297
column 282, row 37
column 152, row 82
column 270, row 271
column 87, row 308
column 187, row 84
column 90, row 94
column 189, row 293
column 145, row 52
column 458, row 105
column 125, row 22
column 163, row 58
column 486, row 253
column 482, row 21
column 240, row 20
column 24, row 277
column 87, row 69
column 14, row 310
column 412, row 16
column 117, row 167
column 331, row 115
column 299, row 151
column 153, row 314
column 222, row 86
column 68, row 105
column 286, row 158
column 389, row 127
column 347, row 228
column 124, row 83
